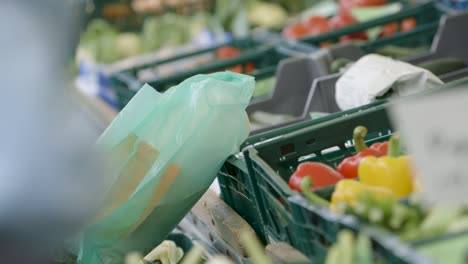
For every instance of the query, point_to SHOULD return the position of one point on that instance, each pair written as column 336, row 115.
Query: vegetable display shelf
column 237, row 189
column 259, row 54
column 427, row 15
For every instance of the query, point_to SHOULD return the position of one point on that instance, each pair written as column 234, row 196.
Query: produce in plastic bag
column 374, row 76
column 164, row 151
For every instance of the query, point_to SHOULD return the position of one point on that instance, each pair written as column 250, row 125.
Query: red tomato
column 408, row 24
column 315, row 20
column 343, row 19
column 227, row 52
column 295, row 31
column 389, row 29
column 248, row 68
column 345, row 5
column 237, row 68
column 354, row 36
column 319, row 29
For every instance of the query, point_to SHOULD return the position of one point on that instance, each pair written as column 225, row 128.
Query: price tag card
column 435, row 130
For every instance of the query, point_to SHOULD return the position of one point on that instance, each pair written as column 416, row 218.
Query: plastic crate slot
column 287, row 149
column 240, row 191
column 332, row 154
column 309, row 157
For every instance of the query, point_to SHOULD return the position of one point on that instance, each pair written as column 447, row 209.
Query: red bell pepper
column 320, row 174
column 349, row 166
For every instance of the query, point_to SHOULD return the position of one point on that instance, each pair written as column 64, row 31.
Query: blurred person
column 49, row 180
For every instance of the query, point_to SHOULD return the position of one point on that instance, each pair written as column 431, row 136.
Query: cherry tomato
column 315, row 20
column 227, row 52
column 343, row 19
column 389, row 29
column 354, row 36
column 319, row 29
column 408, row 24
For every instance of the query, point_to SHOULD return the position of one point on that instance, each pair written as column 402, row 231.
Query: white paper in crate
column 373, row 75
column 165, row 150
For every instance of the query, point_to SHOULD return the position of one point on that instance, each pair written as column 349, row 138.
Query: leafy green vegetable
column 149, row 34
column 128, row 44
column 232, row 14
column 99, row 41
column 267, row 15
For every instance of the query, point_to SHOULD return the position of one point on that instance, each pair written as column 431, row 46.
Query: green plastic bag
column 164, row 152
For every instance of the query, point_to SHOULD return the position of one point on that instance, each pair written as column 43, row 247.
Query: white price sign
column 435, row 130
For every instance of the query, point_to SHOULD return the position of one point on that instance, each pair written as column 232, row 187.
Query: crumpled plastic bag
column 373, row 76
column 164, row 151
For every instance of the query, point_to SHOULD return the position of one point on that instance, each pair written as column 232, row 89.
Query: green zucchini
column 363, row 250
column 345, row 246
column 398, row 52
column 339, row 63
column 443, row 65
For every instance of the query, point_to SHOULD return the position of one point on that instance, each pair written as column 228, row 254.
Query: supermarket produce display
column 304, row 111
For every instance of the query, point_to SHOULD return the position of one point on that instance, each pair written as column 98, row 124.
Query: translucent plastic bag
column 165, row 150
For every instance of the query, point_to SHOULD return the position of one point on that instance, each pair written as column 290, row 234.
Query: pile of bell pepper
column 383, row 174
column 368, row 185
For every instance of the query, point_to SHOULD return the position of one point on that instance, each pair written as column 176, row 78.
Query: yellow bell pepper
column 392, row 172
column 348, row 191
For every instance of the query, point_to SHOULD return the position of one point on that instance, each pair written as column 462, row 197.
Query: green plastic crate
column 256, row 50
column 427, row 15
column 270, row 163
column 319, row 228
column 236, row 188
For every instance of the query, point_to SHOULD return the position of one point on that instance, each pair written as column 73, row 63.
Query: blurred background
column 69, row 66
